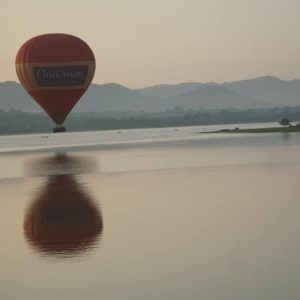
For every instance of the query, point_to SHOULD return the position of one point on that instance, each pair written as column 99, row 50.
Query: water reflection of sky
column 62, row 220
column 180, row 223
column 143, row 138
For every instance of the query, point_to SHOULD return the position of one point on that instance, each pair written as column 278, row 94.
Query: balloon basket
column 59, row 129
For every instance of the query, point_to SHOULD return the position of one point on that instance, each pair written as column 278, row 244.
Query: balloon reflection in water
column 63, row 220
column 61, row 164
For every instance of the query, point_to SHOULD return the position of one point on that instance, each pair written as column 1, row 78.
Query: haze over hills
column 12, row 95
column 268, row 88
column 165, row 91
column 253, row 93
column 114, row 97
column 215, row 97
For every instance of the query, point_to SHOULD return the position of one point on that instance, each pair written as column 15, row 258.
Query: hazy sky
column 140, row 43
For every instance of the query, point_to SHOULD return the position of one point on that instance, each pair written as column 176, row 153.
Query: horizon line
column 182, row 82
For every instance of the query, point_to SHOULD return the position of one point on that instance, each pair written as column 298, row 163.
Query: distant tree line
column 17, row 121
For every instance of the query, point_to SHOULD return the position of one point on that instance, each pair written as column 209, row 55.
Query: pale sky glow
column 140, row 43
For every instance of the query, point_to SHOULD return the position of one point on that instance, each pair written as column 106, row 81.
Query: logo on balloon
column 61, row 75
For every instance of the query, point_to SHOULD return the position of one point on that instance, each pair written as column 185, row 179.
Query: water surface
column 150, row 214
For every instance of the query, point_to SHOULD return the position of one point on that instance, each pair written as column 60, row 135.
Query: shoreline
column 258, row 130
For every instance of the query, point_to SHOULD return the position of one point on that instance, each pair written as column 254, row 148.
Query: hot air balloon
column 55, row 69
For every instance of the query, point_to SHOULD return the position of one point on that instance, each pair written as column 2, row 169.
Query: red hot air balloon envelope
column 55, row 69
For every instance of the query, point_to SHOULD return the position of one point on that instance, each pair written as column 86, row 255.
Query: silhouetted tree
column 285, row 122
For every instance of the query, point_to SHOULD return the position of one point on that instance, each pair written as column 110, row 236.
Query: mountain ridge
column 212, row 97
column 265, row 91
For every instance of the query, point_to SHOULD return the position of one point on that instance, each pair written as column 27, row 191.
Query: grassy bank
column 260, row 130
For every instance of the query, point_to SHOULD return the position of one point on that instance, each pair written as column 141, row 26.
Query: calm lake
column 164, row 214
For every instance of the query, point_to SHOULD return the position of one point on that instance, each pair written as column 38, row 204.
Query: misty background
column 144, row 43
column 113, row 106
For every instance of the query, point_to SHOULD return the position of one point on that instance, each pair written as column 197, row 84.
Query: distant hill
column 13, row 96
column 271, row 89
column 98, row 98
column 165, row 91
column 214, row 97
column 268, row 88
column 253, row 93
column 114, row 97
